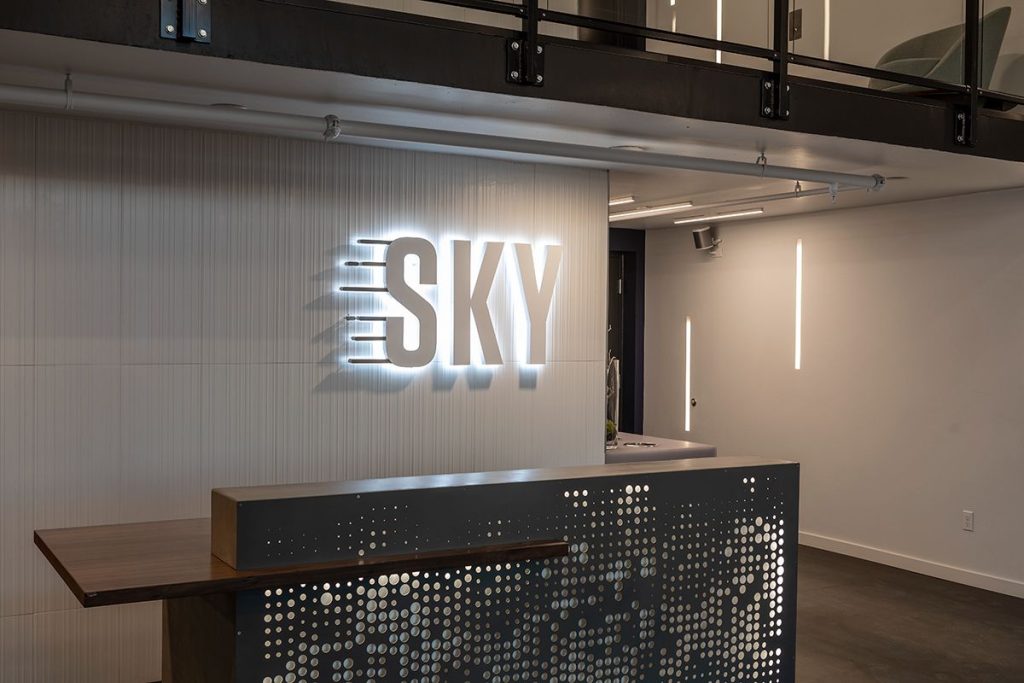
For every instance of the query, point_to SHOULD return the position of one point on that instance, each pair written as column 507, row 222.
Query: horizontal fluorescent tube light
column 653, row 211
column 719, row 217
column 619, row 201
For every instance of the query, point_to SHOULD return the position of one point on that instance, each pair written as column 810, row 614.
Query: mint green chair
column 939, row 55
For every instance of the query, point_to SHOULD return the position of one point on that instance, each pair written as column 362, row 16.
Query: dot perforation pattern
column 678, row 577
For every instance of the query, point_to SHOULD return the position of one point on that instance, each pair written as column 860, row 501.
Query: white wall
column 169, row 323
column 908, row 407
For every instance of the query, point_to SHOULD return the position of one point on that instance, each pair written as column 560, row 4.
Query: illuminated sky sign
column 413, row 282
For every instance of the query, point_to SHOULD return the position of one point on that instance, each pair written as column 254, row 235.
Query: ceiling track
column 332, row 128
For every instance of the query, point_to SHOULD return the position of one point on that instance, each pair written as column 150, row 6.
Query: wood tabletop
column 122, row 563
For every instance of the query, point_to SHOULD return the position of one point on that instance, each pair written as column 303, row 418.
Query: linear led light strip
column 797, row 341
column 619, row 201
column 652, row 211
column 720, row 217
column 718, row 29
column 778, row 196
column 827, row 47
column 689, row 396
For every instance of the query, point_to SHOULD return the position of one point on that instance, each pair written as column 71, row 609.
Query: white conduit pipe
column 332, row 128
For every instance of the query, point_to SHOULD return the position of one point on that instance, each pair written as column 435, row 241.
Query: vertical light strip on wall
column 718, row 28
column 688, row 397
column 827, row 50
column 799, row 303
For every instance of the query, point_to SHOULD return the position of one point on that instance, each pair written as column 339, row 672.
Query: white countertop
column 641, row 448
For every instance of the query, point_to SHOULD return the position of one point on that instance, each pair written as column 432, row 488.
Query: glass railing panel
column 561, row 31
column 922, row 38
column 692, row 17
column 747, row 22
column 424, row 8
column 1002, row 46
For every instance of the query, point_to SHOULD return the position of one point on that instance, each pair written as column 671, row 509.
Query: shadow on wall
column 348, row 378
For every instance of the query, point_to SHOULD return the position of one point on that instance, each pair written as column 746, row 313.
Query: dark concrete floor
column 859, row 622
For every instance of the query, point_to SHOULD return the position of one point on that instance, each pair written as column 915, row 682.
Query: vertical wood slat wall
column 169, row 323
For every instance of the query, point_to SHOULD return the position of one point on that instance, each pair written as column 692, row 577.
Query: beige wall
column 908, row 407
column 169, row 323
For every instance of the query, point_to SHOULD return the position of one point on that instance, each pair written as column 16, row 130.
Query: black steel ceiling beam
column 328, row 36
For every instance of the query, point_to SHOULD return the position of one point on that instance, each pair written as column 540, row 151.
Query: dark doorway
column 626, row 322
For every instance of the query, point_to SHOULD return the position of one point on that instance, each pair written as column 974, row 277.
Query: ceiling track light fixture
column 797, row 193
column 720, row 217
column 650, row 211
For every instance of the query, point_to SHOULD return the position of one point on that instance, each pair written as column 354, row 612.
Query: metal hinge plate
column 186, row 20
column 774, row 100
column 963, row 127
column 524, row 64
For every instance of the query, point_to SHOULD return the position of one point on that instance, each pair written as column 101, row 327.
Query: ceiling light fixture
column 797, row 193
column 719, row 217
column 652, row 211
column 619, row 201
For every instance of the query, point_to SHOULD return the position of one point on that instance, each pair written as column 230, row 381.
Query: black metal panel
column 967, row 113
column 673, row 576
column 778, row 84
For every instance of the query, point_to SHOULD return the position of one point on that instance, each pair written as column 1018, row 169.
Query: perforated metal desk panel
column 678, row 571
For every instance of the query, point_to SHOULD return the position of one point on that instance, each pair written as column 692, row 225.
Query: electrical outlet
column 968, row 520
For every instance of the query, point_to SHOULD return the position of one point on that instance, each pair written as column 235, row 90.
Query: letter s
column 408, row 297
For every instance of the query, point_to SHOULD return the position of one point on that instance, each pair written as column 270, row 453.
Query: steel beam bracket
column 187, row 21
column 963, row 126
column 774, row 99
column 524, row 64
column 965, row 114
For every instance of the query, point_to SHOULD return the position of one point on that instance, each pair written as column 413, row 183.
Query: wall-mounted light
column 650, row 211
column 827, row 47
column 797, row 342
column 719, row 217
column 619, row 201
column 706, row 239
column 719, row 25
column 688, row 399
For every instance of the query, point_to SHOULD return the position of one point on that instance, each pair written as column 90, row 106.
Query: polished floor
column 859, row 622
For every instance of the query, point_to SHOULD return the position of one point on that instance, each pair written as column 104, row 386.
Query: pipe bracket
column 332, row 131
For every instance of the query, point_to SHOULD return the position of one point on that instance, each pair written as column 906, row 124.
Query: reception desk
column 655, row 571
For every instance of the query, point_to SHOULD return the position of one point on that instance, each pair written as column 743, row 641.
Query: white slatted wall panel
column 168, row 323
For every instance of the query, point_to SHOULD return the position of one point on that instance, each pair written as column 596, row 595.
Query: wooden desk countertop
column 122, row 563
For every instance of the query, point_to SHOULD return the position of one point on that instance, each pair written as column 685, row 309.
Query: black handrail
column 878, row 74
column 581, row 21
column 969, row 92
column 495, row 6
